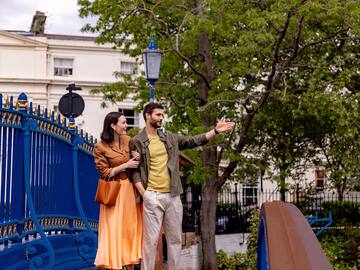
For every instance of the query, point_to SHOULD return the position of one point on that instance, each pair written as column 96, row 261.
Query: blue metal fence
column 48, row 219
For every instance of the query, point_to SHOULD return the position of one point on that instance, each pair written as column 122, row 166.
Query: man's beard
column 155, row 124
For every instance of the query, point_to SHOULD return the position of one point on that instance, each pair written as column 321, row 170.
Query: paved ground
column 230, row 243
column 190, row 257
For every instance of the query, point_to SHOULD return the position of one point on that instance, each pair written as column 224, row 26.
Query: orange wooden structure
column 286, row 241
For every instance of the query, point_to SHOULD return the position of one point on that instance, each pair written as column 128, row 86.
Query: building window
column 128, row 67
column 131, row 117
column 319, row 179
column 249, row 194
column 63, row 67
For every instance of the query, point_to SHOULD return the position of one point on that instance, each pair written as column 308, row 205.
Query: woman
column 120, row 226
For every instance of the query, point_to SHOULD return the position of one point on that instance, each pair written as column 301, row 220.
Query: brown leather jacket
column 107, row 156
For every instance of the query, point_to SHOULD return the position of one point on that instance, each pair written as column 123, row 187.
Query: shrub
column 234, row 262
column 342, row 248
column 344, row 212
column 245, row 261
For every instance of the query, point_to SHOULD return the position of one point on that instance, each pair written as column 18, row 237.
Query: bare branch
column 176, row 50
column 184, row 58
column 297, row 35
column 187, row 102
column 323, row 40
column 155, row 17
column 274, row 27
column 214, row 103
column 271, row 81
column 279, row 41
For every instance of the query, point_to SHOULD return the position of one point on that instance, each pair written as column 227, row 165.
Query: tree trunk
column 343, row 188
column 209, row 192
column 282, row 182
column 209, row 156
column 282, row 189
column 340, row 196
column 208, row 225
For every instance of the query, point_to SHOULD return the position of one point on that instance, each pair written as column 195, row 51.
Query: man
column 158, row 181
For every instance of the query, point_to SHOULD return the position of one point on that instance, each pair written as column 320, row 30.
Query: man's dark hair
column 107, row 134
column 150, row 107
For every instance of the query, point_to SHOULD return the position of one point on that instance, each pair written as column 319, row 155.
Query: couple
column 129, row 231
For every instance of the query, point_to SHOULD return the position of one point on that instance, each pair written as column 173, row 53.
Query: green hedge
column 240, row 261
column 344, row 213
column 342, row 247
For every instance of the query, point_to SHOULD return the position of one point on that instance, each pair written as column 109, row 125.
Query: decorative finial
column 22, row 102
column 71, row 124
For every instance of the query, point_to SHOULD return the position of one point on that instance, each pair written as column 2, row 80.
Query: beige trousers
column 161, row 209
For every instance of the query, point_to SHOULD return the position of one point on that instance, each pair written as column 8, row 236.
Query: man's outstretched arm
column 190, row 142
column 221, row 127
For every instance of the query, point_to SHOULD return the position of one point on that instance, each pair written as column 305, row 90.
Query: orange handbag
column 107, row 192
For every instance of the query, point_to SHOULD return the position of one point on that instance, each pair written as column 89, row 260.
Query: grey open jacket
column 173, row 144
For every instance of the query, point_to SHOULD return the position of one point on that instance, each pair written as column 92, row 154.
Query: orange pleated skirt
column 120, row 230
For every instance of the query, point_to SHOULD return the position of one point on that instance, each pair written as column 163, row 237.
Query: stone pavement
column 191, row 254
column 229, row 243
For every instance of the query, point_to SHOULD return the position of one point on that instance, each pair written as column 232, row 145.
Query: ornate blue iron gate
column 48, row 219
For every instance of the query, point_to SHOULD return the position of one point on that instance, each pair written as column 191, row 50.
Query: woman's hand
column 135, row 155
column 132, row 163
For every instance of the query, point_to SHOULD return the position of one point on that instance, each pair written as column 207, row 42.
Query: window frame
column 130, row 71
column 65, row 69
column 320, row 177
column 134, row 117
column 249, row 199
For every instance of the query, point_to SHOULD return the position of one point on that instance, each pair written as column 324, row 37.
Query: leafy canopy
column 258, row 50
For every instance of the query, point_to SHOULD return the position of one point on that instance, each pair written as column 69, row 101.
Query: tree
column 322, row 129
column 335, row 134
column 278, row 138
column 224, row 58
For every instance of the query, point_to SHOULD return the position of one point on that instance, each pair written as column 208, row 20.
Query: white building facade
column 42, row 66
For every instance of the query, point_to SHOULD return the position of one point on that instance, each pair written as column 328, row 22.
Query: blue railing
column 48, row 219
column 325, row 222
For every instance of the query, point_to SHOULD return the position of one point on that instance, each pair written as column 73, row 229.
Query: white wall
column 27, row 65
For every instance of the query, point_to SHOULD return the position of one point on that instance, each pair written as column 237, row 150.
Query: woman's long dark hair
column 107, row 134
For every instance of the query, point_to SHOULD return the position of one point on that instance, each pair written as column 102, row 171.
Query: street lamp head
column 152, row 60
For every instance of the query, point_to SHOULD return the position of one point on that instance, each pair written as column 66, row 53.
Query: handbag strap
column 108, row 178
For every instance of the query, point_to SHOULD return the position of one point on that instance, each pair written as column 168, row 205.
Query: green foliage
column 320, row 128
column 132, row 132
column 238, row 261
column 241, row 261
column 343, row 212
column 279, row 137
column 252, row 240
column 286, row 52
column 335, row 133
column 342, row 249
column 285, row 71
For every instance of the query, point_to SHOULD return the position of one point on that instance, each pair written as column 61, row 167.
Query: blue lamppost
column 152, row 60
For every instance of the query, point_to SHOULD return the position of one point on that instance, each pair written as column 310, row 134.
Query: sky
column 62, row 15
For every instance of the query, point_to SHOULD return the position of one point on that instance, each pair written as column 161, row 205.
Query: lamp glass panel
column 152, row 62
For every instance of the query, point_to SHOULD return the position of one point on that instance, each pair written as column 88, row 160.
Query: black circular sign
column 71, row 104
